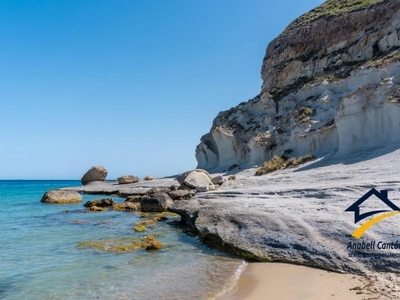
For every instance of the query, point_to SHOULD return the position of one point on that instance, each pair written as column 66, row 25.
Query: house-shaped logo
column 391, row 210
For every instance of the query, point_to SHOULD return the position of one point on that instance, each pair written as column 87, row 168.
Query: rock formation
column 157, row 202
column 127, row 179
column 61, row 197
column 331, row 84
column 198, row 179
column 95, row 173
column 106, row 202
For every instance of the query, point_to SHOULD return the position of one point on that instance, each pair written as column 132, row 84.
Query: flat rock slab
column 298, row 215
column 124, row 190
column 61, row 197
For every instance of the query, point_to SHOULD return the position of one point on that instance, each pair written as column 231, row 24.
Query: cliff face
column 331, row 83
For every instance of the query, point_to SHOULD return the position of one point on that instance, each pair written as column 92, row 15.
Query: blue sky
column 130, row 85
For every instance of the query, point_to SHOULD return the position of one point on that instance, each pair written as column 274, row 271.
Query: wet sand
column 277, row 281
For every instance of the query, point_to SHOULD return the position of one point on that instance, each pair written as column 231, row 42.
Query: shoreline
column 280, row 281
column 296, row 215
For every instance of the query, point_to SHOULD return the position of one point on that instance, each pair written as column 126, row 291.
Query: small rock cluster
column 98, row 173
column 106, row 203
column 154, row 200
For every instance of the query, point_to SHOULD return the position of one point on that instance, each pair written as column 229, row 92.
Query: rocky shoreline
column 294, row 215
column 272, row 217
column 331, row 90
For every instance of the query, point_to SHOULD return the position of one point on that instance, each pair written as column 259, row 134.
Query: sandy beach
column 277, row 281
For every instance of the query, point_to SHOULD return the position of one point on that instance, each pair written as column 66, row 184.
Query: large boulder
column 61, row 197
column 195, row 178
column 96, row 173
column 157, row 202
column 127, row 179
column 106, row 202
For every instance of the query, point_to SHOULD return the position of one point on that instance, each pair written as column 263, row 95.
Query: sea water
column 40, row 257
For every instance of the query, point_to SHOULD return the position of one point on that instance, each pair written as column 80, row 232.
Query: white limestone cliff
column 331, row 84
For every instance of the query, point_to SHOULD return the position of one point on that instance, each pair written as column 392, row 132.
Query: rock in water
column 157, row 202
column 61, row 197
column 107, row 202
column 96, row 173
column 127, row 179
column 134, row 199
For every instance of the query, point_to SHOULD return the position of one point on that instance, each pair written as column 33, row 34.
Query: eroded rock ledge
column 298, row 215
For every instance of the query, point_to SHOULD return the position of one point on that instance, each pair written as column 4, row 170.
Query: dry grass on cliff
column 281, row 162
column 331, row 8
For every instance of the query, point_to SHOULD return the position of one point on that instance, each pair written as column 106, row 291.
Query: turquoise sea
column 40, row 257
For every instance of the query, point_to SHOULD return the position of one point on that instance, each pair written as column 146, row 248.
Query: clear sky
column 126, row 84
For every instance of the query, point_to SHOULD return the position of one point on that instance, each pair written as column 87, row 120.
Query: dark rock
column 96, row 208
column 174, row 187
column 218, row 180
column 134, row 199
column 106, row 202
column 126, row 206
column 157, row 202
column 181, row 194
column 96, row 173
column 156, row 191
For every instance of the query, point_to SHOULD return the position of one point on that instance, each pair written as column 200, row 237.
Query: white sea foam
column 232, row 281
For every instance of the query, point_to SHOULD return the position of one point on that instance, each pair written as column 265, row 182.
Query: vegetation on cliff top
column 331, row 8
